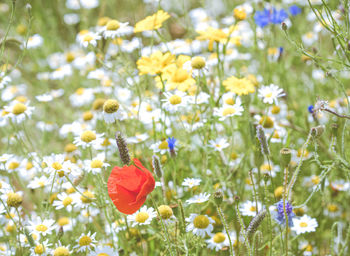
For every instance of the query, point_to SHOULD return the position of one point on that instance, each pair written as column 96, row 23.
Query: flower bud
column 262, row 139
column 157, row 166
column 317, row 131
column 284, row 26
column 218, row 197
column 255, row 223
column 123, row 148
column 286, row 156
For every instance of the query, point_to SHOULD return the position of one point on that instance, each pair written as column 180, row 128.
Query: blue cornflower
column 280, row 217
column 278, row 16
column 294, row 10
column 171, row 143
column 262, row 18
column 265, row 17
column 310, row 109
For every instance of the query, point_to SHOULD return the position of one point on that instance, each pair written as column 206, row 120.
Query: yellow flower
column 213, row 35
column 154, row 64
column 239, row 86
column 152, row 22
column 180, row 79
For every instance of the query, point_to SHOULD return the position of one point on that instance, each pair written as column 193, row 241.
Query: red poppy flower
column 128, row 186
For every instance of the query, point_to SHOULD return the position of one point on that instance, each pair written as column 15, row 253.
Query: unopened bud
column 157, row 166
column 262, row 139
column 284, row 26
column 218, row 197
column 123, row 148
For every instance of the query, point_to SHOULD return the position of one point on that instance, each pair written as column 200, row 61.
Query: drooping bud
column 317, row 131
column 123, row 148
column 262, row 139
column 157, row 166
column 286, row 156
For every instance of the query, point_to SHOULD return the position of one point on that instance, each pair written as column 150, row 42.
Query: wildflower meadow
column 174, row 127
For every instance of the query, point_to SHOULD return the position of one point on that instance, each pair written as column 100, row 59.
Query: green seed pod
column 286, row 156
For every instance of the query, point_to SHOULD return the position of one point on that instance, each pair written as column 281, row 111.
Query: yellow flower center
column 39, row 249
column 332, row 208
column 57, row 166
column 175, row 99
column 63, row 221
column 19, row 108
column 315, row 180
column 88, row 136
column 70, row 148
column 266, row 122
column 165, row 211
column 268, row 95
column 103, row 254
column 201, row 222
column 303, row 224
column 96, row 164
column 219, row 238
column 275, row 110
column 141, row 217
column 230, row 101
column 163, row 145
column 14, row 199
column 13, row 165
column 29, row 166
column 88, row 38
column 41, row 228
column 198, row 63
column 70, row 57
column 87, row 198
column 80, row 91
column 110, row 106
column 252, row 208
column 228, row 111
column 85, row 240
column 61, row 251
column 87, row 116
column 67, row 201
column 112, row 25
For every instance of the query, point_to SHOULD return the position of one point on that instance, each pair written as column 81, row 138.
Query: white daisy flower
column 38, row 182
column 34, row 41
column 89, row 139
column 114, row 29
column 304, row 224
column 249, row 208
column 19, row 111
column 229, row 110
column 96, row 164
column 175, row 101
column 86, row 242
column 270, row 94
column 191, row 182
column 105, row 251
column 41, row 227
column 219, row 144
column 220, row 240
column 144, row 216
column 200, row 225
column 201, row 198
column 66, row 201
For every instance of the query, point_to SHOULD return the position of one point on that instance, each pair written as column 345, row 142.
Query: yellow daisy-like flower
column 239, row 86
column 154, row 64
column 152, row 22
column 213, row 35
